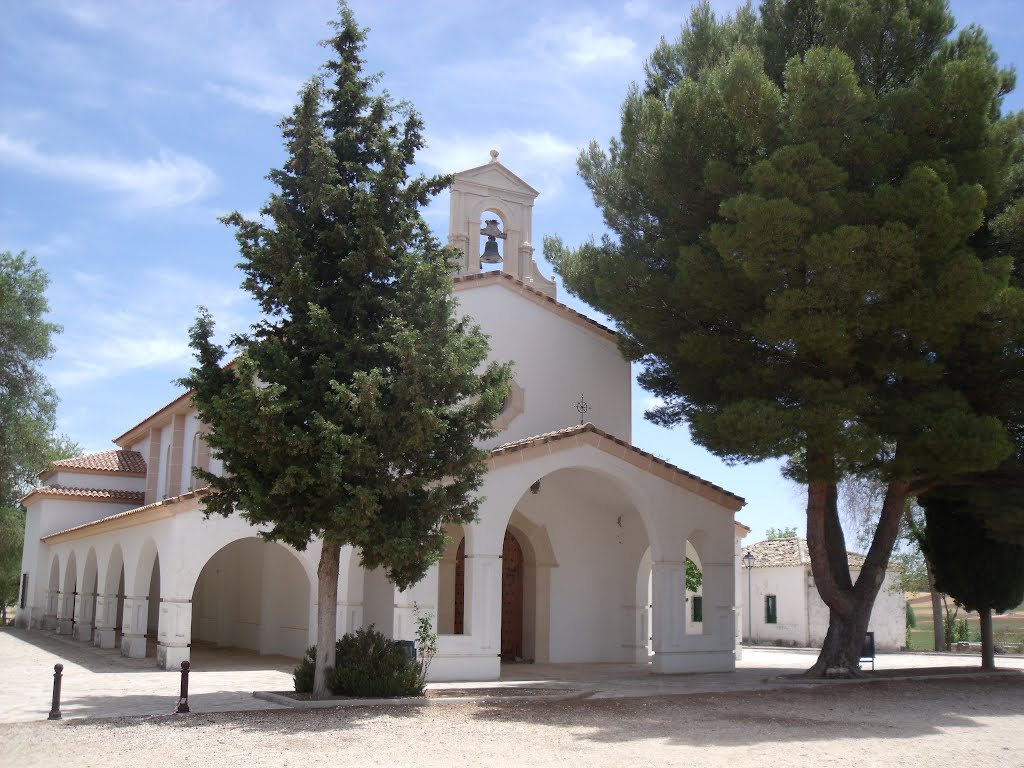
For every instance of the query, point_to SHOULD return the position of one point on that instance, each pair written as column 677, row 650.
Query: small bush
column 367, row 665
column 911, row 616
column 303, row 675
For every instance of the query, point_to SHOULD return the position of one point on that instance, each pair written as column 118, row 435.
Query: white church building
column 578, row 554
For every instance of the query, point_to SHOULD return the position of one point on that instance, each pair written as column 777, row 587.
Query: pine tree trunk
column 326, row 616
column 849, row 604
column 988, row 652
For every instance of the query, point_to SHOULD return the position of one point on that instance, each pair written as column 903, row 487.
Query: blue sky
column 128, row 127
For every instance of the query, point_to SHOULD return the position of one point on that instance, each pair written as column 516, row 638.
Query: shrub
column 303, row 675
column 368, row 665
column 911, row 616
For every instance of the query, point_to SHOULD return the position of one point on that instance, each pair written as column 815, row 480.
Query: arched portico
column 598, row 505
column 252, row 594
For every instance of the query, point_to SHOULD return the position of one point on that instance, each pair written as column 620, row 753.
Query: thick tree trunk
column 849, row 604
column 326, row 615
column 988, row 651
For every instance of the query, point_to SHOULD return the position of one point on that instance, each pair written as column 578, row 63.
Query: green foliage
column 27, row 406
column 792, row 258
column 371, row 665
column 352, row 410
column 426, row 639
column 694, row 578
column 27, row 403
column 911, row 617
column 955, row 630
column 368, row 665
column 304, row 673
column 814, row 247
column 781, row 533
column 977, row 571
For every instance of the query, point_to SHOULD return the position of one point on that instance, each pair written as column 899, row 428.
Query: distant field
column 1007, row 628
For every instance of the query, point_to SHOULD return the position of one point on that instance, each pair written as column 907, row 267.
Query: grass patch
column 1007, row 628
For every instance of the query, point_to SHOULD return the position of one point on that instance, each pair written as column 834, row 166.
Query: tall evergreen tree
column 794, row 199
column 352, row 410
column 981, row 573
column 27, row 405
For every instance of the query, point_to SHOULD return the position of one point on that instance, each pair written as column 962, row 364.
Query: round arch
column 253, row 594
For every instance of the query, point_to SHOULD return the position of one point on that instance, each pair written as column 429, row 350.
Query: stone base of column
column 83, row 631
column 48, row 622
column 169, row 657
column 64, row 626
column 104, row 637
column 694, row 661
column 133, row 646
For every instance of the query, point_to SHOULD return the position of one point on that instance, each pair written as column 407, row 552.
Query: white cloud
column 540, row 156
column 107, row 341
column 582, row 44
column 165, row 181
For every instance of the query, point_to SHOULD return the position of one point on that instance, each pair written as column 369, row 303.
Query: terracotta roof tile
column 130, row 462
column 86, row 494
column 581, row 429
column 773, row 553
column 130, row 512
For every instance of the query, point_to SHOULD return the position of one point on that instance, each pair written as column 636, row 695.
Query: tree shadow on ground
column 875, row 710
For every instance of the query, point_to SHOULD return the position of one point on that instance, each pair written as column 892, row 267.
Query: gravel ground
column 977, row 722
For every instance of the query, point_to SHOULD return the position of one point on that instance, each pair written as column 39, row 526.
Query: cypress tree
column 352, row 409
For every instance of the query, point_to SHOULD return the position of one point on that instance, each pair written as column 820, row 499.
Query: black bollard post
column 58, row 670
column 183, row 698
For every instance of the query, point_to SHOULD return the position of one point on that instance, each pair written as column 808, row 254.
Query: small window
column 696, row 608
column 770, row 610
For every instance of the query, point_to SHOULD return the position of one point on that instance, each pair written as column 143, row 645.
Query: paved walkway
column 100, row 683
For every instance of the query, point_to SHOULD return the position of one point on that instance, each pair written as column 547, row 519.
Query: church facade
column 579, row 553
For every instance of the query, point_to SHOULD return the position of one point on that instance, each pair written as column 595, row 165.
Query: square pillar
column 105, row 632
column 49, row 620
column 84, row 607
column 65, row 612
column 174, row 635
column 133, row 629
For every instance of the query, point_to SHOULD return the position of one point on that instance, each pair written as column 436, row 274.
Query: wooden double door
column 512, row 580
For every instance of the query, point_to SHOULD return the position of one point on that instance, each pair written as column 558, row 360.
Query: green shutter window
column 696, row 608
column 770, row 609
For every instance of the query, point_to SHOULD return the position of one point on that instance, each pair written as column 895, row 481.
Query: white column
column 669, row 619
column 174, row 633
column 50, row 614
column 133, row 628
column 106, row 616
column 84, row 606
column 65, row 612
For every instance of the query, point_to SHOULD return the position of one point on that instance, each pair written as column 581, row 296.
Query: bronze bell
column 490, row 254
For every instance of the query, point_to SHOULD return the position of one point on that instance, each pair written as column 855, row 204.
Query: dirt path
column 977, row 722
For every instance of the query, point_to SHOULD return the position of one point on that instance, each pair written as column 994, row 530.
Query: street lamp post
column 748, row 563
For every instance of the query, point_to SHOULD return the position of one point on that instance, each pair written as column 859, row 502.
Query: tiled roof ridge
column 579, row 429
column 792, row 550
column 88, row 494
column 540, row 295
column 128, row 512
column 112, row 461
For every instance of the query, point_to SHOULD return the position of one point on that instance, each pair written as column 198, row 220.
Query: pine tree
column 795, row 199
column 352, row 409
